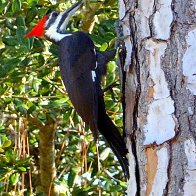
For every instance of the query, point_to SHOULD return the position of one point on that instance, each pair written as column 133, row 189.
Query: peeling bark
column 160, row 95
column 151, row 168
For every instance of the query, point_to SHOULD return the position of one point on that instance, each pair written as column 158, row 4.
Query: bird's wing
column 77, row 60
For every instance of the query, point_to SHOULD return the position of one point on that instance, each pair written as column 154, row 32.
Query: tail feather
column 112, row 136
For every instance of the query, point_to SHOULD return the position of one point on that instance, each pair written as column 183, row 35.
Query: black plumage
column 77, row 60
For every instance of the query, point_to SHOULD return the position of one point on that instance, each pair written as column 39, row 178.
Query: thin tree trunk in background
column 160, row 95
column 47, row 158
column 47, row 168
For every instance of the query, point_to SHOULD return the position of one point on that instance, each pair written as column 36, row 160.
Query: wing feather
column 77, row 59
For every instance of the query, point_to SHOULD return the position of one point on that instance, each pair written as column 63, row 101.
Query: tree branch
column 90, row 18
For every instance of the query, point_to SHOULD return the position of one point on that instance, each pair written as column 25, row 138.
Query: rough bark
column 47, row 158
column 47, row 155
column 160, row 95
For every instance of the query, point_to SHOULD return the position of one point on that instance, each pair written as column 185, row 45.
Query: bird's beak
column 65, row 16
column 38, row 30
column 73, row 8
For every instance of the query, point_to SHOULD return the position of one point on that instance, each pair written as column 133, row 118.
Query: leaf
column 32, row 109
column 32, row 3
column 67, row 115
column 123, row 184
column 26, row 61
column 22, row 169
column 9, row 24
column 36, row 83
column 80, row 192
column 14, row 178
column 6, row 143
column 97, row 39
column 2, row 6
column 38, row 45
column 25, row 43
column 110, row 2
column 16, row 5
column 116, row 188
column 20, row 21
column 31, row 14
column 17, row 102
column 40, row 60
column 20, row 32
column 3, row 171
column 10, row 155
column 9, row 66
column 42, row 117
column 20, row 106
column 104, row 154
column 71, row 177
column 107, row 185
column 22, row 110
column 54, row 49
column 9, row 40
column 111, row 67
column 103, row 47
column 1, row 150
column 95, row 171
column 109, row 36
column 61, row 101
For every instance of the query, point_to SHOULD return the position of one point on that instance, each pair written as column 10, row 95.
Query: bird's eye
column 55, row 14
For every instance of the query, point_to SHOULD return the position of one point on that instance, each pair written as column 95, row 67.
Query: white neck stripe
column 52, row 33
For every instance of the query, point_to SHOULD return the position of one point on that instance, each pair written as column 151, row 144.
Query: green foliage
column 31, row 92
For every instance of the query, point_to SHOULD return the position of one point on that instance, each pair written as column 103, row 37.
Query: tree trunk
column 47, row 158
column 160, row 95
column 47, row 169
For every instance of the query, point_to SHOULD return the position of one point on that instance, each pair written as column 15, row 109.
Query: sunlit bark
column 160, row 95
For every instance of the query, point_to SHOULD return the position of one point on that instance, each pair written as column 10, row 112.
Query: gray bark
column 160, row 95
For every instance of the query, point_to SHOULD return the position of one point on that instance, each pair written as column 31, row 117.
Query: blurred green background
column 31, row 91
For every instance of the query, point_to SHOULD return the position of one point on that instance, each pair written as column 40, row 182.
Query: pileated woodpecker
column 81, row 67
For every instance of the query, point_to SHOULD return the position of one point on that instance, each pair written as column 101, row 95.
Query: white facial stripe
column 64, row 24
column 93, row 75
column 70, row 13
column 52, row 33
column 48, row 20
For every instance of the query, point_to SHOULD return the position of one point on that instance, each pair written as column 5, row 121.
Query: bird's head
column 53, row 25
